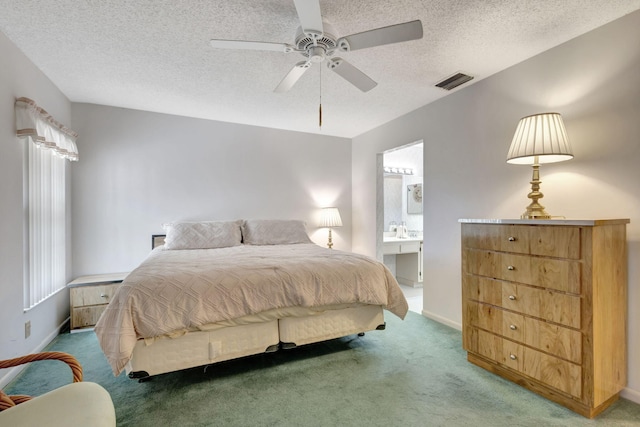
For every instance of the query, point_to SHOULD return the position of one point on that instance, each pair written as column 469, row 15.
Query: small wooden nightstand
column 89, row 296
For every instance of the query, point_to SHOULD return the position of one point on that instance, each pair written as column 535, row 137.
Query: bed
column 220, row 290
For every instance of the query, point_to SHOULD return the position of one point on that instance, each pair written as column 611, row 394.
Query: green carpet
column 414, row 373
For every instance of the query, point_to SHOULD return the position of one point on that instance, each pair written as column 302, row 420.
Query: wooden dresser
column 89, row 296
column 545, row 306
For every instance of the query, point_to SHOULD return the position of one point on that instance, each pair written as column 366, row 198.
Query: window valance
column 36, row 124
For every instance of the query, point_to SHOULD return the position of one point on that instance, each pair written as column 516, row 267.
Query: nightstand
column 89, row 296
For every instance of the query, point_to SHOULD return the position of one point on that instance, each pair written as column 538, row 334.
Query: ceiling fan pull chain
column 320, row 109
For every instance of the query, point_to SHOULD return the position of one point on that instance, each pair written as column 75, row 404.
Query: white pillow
column 274, row 232
column 203, row 235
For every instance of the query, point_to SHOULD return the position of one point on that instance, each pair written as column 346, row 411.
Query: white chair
column 76, row 404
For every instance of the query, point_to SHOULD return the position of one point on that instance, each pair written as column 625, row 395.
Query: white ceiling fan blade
column 250, row 45
column 292, row 76
column 351, row 74
column 310, row 17
column 380, row 36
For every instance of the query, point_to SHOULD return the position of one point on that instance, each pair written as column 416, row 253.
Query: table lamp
column 330, row 217
column 540, row 138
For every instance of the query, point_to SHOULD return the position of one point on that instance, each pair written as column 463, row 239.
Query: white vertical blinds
column 51, row 143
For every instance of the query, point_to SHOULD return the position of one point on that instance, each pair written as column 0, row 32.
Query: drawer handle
column 512, row 239
column 510, row 267
column 104, row 296
column 512, row 297
column 513, row 327
column 513, row 357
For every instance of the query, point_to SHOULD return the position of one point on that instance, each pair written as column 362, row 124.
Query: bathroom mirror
column 414, row 199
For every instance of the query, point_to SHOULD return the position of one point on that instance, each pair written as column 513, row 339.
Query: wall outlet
column 27, row 329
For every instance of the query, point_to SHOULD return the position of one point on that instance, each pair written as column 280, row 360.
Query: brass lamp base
column 330, row 242
column 535, row 210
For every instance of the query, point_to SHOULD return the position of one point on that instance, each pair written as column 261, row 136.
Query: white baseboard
column 441, row 319
column 630, row 394
column 408, row 282
column 11, row 373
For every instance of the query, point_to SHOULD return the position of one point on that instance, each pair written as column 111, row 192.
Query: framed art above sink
column 414, row 198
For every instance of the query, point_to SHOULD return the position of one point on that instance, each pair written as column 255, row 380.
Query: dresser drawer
column 551, row 241
column 92, row 295
column 552, row 371
column 548, row 305
column 557, row 340
column 558, row 274
column 496, row 320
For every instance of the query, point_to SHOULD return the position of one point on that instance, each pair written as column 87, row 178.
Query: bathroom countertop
column 400, row 239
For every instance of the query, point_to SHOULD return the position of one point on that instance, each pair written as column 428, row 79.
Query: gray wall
column 19, row 77
column 138, row 170
column 594, row 82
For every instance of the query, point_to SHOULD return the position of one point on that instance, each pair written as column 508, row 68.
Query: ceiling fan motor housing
column 314, row 46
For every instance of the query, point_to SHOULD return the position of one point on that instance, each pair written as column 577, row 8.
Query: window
column 49, row 144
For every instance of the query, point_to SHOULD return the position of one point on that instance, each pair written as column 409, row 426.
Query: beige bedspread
column 176, row 290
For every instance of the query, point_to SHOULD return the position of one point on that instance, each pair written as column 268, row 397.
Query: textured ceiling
column 155, row 55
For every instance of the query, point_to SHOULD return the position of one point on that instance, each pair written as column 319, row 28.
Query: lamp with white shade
column 540, row 138
column 330, row 218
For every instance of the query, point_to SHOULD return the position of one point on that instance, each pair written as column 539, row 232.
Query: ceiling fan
column 316, row 40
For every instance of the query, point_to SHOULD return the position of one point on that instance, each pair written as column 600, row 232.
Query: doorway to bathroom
column 401, row 238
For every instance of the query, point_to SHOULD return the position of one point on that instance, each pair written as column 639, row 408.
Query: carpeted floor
column 414, row 373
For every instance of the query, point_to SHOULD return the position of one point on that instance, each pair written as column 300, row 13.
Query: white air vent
column 454, row 81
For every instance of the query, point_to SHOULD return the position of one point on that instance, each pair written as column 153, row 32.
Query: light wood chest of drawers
column 545, row 306
column 89, row 296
